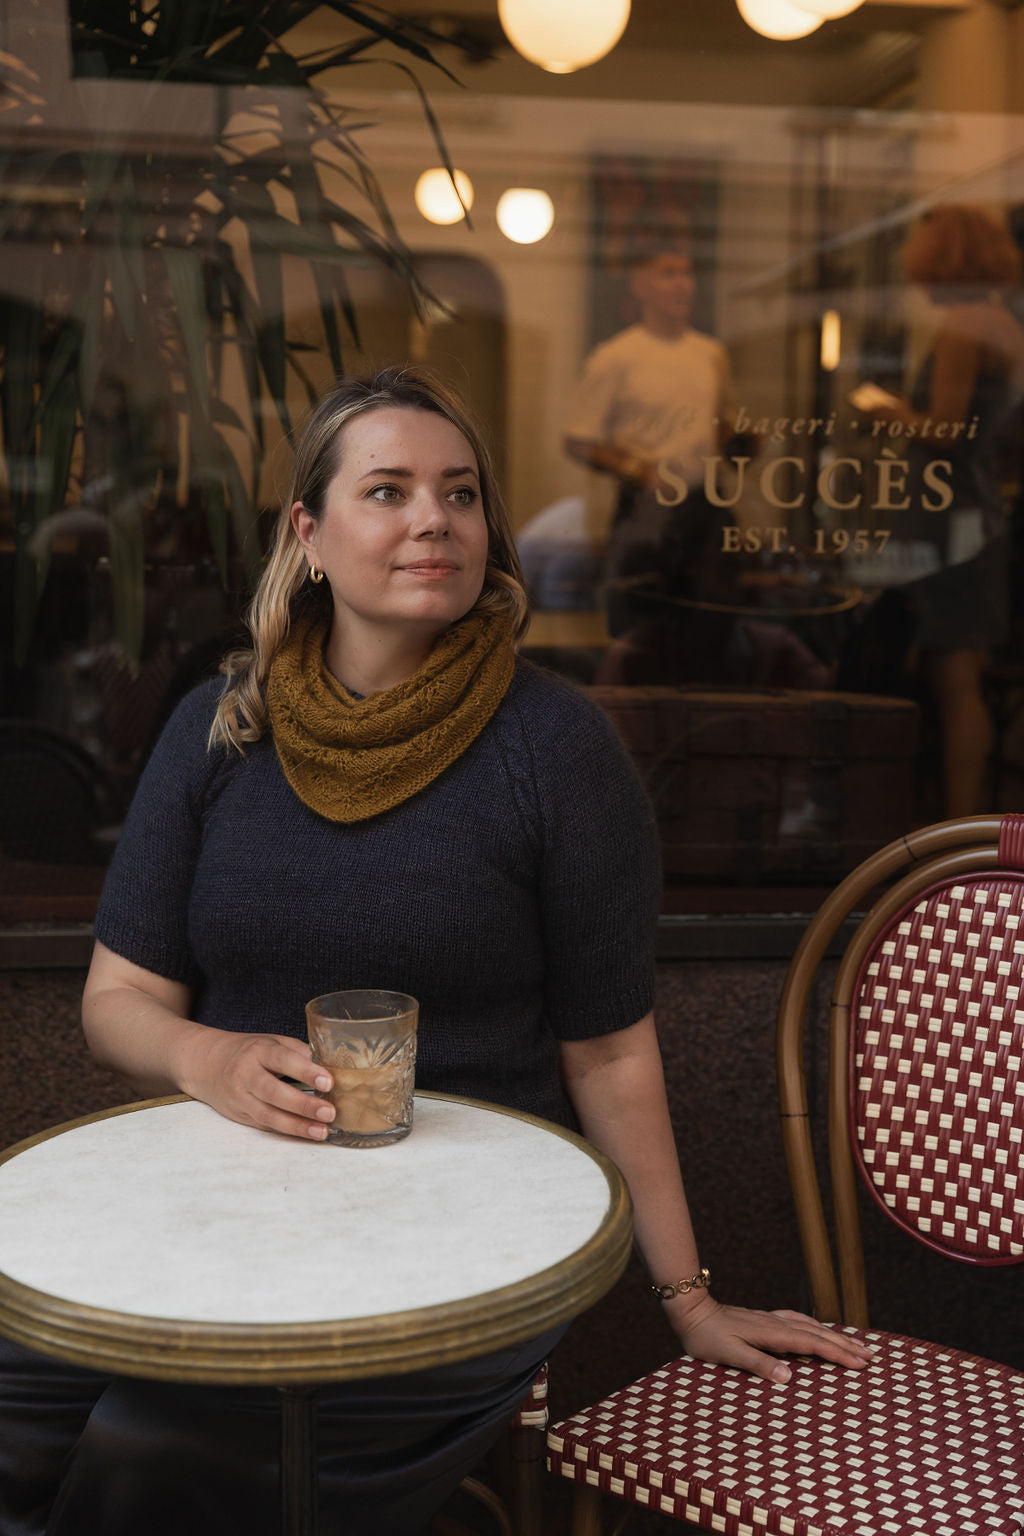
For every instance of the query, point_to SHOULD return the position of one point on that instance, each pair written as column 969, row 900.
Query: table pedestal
column 300, row 1514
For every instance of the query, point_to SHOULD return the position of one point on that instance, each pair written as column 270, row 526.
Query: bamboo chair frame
column 944, row 851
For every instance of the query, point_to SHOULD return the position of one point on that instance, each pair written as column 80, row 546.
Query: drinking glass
column 367, row 1041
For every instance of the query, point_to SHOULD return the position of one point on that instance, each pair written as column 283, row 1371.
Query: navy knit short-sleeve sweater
column 515, row 896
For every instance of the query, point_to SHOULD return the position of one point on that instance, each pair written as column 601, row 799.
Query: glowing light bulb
column 563, row 35
column 525, row 214
column 781, row 19
column 828, row 10
column 831, row 340
column 435, row 196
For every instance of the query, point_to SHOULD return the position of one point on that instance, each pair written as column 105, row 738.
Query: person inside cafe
column 964, row 410
column 653, row 403
column 657, row 393
column 378, row 793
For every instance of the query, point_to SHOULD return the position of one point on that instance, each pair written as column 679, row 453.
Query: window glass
column 743, row 318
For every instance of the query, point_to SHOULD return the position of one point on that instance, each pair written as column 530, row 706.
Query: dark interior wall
column 716, row 1022
column 46, row 1074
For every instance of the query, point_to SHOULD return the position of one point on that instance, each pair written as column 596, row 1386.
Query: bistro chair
column 520, row 1453
column 926, row 1108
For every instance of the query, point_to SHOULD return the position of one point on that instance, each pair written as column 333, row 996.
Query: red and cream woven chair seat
column 833, row 1453
column 927, row 1109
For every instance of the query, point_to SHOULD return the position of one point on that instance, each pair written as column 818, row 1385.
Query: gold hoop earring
column 316, row 575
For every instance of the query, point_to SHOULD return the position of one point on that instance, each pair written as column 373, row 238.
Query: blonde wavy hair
column 283, row 589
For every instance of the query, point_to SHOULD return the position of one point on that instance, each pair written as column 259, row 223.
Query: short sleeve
column 589, row 413
column 143, row 911
column 600, row 874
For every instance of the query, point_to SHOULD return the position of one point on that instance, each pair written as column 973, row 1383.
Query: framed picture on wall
column 637, row 198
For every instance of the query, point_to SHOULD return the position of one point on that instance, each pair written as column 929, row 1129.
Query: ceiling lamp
column 435, row 196
column 563, row 35
column 781, row 19
column 525, row 214
column 828, row 10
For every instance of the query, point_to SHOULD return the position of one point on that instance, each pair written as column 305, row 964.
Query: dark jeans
column 83, row 1454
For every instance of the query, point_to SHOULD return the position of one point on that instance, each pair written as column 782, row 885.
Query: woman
column 382, row 795
column 964, row 409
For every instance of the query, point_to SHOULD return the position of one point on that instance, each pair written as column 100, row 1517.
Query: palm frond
column 164, row 303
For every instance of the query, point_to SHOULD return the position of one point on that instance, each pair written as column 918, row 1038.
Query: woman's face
column 403, row 539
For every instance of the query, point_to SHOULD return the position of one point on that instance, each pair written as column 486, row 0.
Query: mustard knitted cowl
column 349, row 758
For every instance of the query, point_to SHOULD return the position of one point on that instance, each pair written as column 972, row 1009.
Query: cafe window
column 742, row 314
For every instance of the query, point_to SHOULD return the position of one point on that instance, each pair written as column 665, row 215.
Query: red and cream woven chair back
column 927, row 1103
column 936, row 1086
column 927, row 1035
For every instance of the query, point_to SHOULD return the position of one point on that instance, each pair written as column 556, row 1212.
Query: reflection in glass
column 786, row 537
column 563, row 35
column 779, row 19
column 958, row 433
column 525, row 214
column 830, row 9
column 438, row 200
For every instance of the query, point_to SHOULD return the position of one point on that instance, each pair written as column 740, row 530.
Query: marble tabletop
column 170, row 1229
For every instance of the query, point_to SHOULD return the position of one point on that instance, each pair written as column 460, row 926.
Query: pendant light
column 525, row 214
column 828, row 10
column 563, row 35
column 780, row 19
column 435, row 196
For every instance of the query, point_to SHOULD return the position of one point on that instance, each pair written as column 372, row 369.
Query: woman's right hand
column 137, row 1023
column 240, row 1077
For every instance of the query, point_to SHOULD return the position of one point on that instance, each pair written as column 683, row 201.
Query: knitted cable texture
column 349, row 758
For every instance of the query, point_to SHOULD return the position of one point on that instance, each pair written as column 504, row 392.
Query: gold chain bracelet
column 683, row 1287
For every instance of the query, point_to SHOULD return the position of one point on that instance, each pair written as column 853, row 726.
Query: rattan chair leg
column 444, row 1524
column 528, row 1450
column 586, row 1511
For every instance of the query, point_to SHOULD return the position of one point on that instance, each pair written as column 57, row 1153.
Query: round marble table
column 161, row 1240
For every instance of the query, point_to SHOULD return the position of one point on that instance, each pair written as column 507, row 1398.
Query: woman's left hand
column 724, row 1335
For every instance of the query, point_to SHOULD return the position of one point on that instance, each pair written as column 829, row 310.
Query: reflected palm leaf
column 162, row 301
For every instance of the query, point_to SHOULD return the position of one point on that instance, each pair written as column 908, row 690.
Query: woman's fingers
column 280, row 1106
column 805, row 1336
column 281, row 1096
column 243, row 1079
column 737, row 1337
column 814, row 1338
column 268, row 1118
column 760, row 1364
column 293, row 1059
